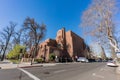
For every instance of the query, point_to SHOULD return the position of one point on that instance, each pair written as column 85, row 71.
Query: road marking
column 59, row 71
column 99, row 76
column 29, row 74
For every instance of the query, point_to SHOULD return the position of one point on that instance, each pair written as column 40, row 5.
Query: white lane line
column 59, row 71
column 29, row 74
column 99, row 76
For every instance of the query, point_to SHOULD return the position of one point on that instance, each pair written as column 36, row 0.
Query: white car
column 82, row 59
column 112, row 64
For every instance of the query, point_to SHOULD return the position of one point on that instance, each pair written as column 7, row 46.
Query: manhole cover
column 46, row 72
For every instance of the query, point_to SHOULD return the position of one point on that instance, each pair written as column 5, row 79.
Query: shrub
column 52, row 57
column 40, row 60
column 16, row 52
column 14, row 61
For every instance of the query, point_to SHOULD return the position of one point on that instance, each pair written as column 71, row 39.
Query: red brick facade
column 66, row 45
column 75, row 44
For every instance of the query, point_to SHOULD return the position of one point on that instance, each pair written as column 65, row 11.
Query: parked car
column 112, row 64
column 99, row 60
column 82, row 59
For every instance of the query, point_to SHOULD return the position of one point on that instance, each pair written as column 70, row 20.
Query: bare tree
column 98, row 21
column 26, row 40
column 7, row 34
column 17, row 37
column 36, row 33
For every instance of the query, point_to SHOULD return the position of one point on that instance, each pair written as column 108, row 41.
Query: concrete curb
column 31, row 66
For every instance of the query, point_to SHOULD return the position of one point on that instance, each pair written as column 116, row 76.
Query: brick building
column 66, row 45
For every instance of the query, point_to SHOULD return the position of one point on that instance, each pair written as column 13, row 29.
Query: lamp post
column 21, row 54
column 20, row 57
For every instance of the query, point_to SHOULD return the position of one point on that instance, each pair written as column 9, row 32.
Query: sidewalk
column 9, row 65
column 6, row 64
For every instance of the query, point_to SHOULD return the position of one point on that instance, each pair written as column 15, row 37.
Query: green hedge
column 52, row 57
column 40, row 60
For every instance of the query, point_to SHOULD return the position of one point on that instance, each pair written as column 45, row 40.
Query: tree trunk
column 3, row 56
column 113, row 43
column 113, row 54
column 1, row 49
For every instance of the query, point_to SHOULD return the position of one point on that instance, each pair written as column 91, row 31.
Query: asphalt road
column 69, row 71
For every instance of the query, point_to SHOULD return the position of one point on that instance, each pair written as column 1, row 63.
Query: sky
column 54, row 13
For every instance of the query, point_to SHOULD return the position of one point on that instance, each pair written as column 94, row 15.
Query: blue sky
column 54, row 13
